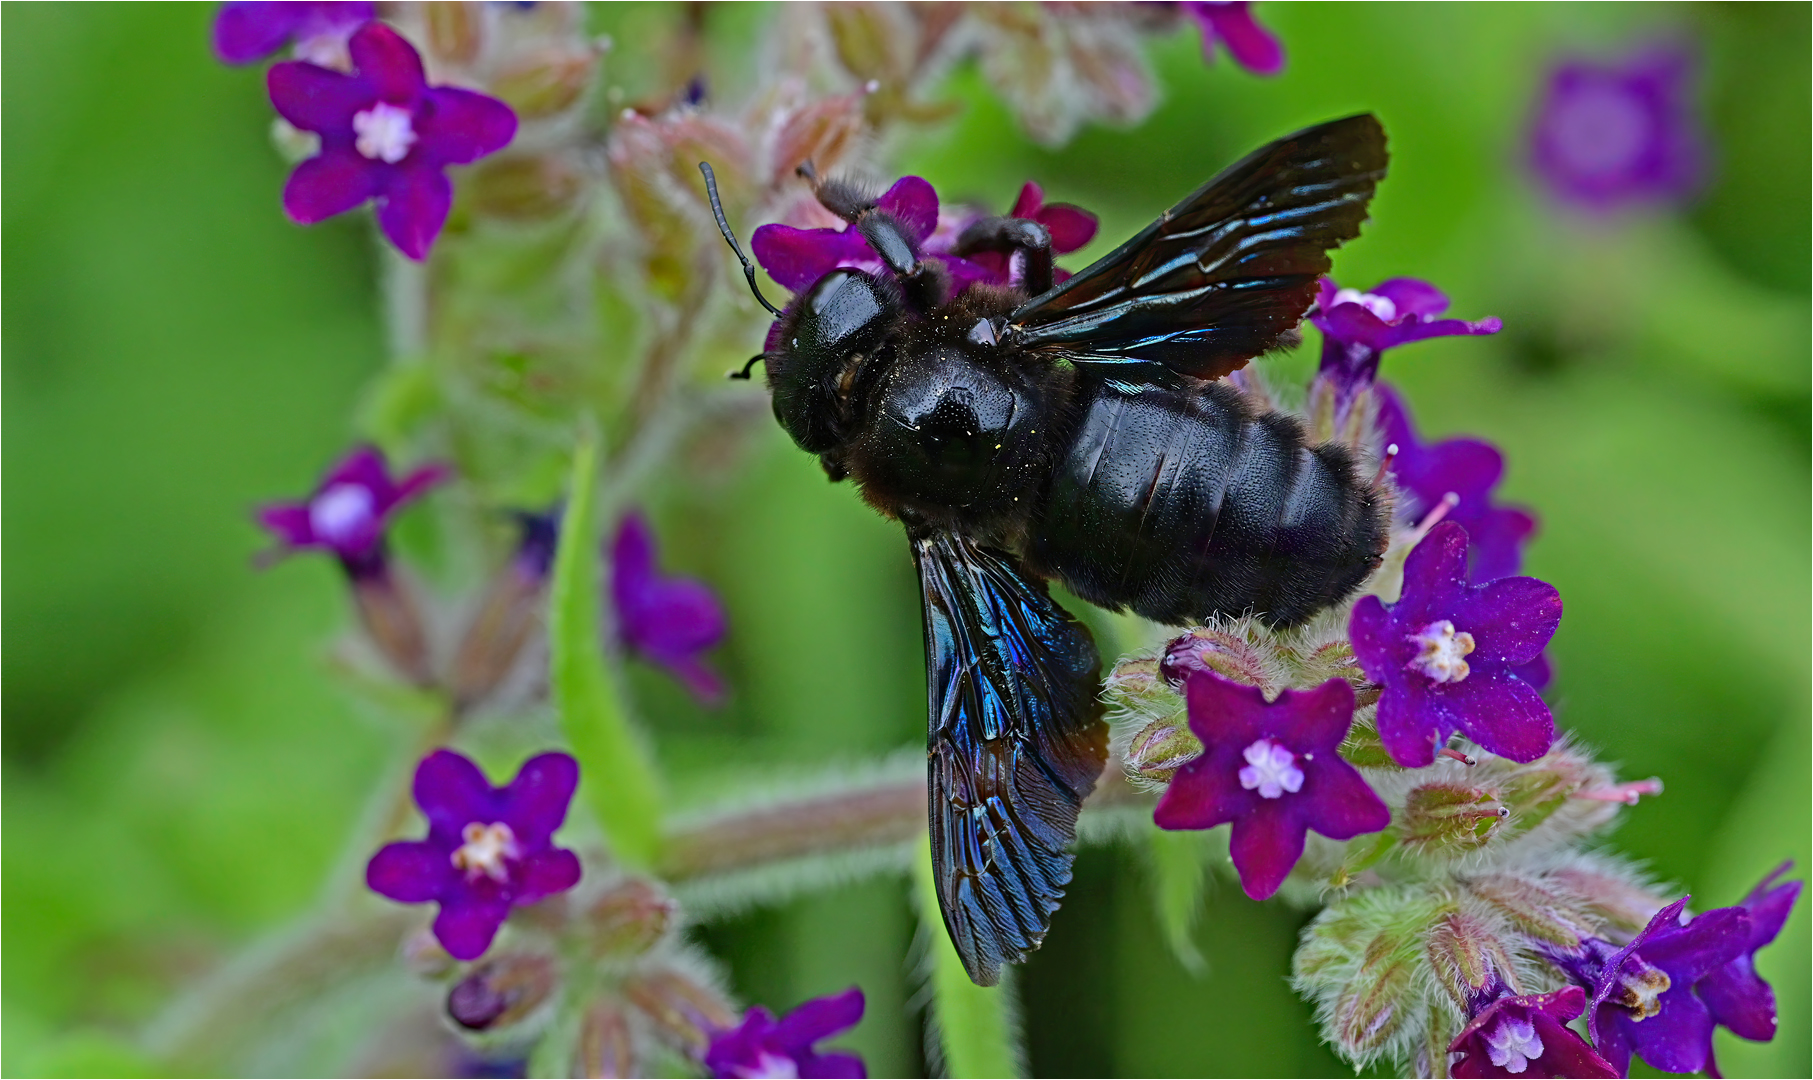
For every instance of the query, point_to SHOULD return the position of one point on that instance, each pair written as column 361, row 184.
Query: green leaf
column 617, row 772
column 1180, row 865
column 977, row 1024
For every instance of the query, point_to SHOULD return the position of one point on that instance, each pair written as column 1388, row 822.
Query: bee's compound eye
column 843, row 304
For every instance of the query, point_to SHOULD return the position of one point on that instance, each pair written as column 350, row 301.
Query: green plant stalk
column 617, row 772
column 975, row 1023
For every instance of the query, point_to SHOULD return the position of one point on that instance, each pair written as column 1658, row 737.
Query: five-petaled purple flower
column 1527, row 1036
column 349, row 509
column 488, row 849
column 667, row 620
column 1357, row 327
column 764, row 1046
column 1613, row 134
column 1274, row 770
column 1071, row 227
column 385, row 135
column 797, row 258
column 246, row 31
column 1735, row 994
column 1231, row 22
column 1444, row 654
column 1467, row 468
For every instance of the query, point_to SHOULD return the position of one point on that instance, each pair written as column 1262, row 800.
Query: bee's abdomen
column 1182, row 504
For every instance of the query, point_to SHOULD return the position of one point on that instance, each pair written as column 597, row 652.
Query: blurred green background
column 179, row 772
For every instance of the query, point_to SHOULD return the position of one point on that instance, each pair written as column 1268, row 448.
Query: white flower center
column 1513, row 1044
column 771, row 1067
column 1272, row 769
column 486, row 849
column 1442, row 652
column 340, row 513
column 385, row 132
column 1600, row 130
column 1378, row 305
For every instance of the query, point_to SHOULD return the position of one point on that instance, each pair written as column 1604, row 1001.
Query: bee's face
column 824, row 334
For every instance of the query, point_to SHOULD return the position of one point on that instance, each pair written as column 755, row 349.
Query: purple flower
column 349, row 509
column 1273, row 769
column 1070, row 227
column 796, row 258
column 488, row 849
column 667, row 620
column 1643, row 1000
column 1444, row 654
column 537, row 540
column 1527, row 1036
column 1612, row 134
column 1734, row 994
column 1468, row 468
column 1252, row 46
column 764, row 1046
column 246, row 31
column 1357, row 327
column 385, row 135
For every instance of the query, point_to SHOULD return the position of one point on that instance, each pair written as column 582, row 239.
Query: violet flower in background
column 386, row 135
column 246, row 31
column 488, row 849
column 1071, row 227
column 764, row 1046
column 1444, row 654
column 1357, row 327
column 1273, row 769
column 1469, row 468
column 797, row 258
column 1231, row 23
column 1527, row 1036
column 1608, row 135
column 669, row 621
column 1735, row 995
column 349, row 510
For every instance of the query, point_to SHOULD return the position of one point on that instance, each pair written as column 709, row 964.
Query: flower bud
column 546, row 83
column 501, row 991
column 629, row 919
column 1371, row 1008
column 1162, row 747
column 823, row 132
column 1615, row 898
column 1446, row 819
column 525, row 188
column 454, row 30
column 1217, row 651
column 1467, row 957
column 606, row 1047
column 390, row 616
column 1362, row 964
column 682, row 1009
column 1533, row 909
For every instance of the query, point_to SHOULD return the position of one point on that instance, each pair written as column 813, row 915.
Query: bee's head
column 817, row 349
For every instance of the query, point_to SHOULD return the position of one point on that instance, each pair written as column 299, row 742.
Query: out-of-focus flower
column 764, row 1046
column 385, row 135
column 349, row 509
column 1070, row 227
column 1468, row 468
column 1231, row 23
column 246, row 31
column 1357, row 327
column 1527, row 1036
column 1735, row 994
column 1273, row 769
column 669, row 621
column 1444, row 653
column 1608, row 135
column 1058, row 66
column 488, row 849
column 796, row 258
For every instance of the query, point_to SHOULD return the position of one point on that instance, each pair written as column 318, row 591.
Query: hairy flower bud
column 546, row 83
column 455, row 30
column 823, row 132
column 1468, row 957
column 1447, row 820
column 1612, row 895
column 683, row 1010
column 1162, row 747
column 630, row 918
column 1363, row 963
column 1535, row 910
column 525, row 188
column 388, row 610
column 501, row 992
column 606, row 1047
column 1223, row 653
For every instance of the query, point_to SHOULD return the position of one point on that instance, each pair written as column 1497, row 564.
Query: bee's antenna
column 717, row 211
column 743, row 373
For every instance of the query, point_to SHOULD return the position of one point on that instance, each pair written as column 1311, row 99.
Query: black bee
column 1074, row 434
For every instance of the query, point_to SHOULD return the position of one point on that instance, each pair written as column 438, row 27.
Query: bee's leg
column 1008, row 235
column 886, row 236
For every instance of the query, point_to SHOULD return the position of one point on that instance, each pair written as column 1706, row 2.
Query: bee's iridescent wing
column 1015, row 743
column 1224, row 274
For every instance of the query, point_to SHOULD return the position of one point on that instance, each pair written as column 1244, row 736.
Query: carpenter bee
column 1075, row 433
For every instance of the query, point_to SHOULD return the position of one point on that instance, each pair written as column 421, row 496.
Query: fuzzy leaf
column 976, row 1024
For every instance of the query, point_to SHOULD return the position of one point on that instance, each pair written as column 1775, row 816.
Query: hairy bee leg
column 886, row 236
column 1008, row 235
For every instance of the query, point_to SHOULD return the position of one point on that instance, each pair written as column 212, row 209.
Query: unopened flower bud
column 500, row 992
column 683, row 1010
column 629, row 919
column 388, row 610
column 1217, row 651
column 1372, row 1007
column 509, row 613
column 1615, row 898
column 1162, row 747
column 1445, row 819
column 1468, row 959
column 606, row 1047
column 1362, row 963
column 546, row 83
column 455, row 31
column 526, row 188
column 824, row 133
column 1533, row 909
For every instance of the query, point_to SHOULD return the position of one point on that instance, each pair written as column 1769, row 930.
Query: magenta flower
column 487, row 850
column 1071, row 227
column 1607, row 135
column 797, row 258
column 1468, row 468
column 1444, row 654
column 246, row 31
column 386, row 135
column 764, row 1046
column 349, row 509
column 1357, row 327
column 1252, row 46
column 1527, row 1036
column 1274, row 770
column 1734, row 994
column 669, row 621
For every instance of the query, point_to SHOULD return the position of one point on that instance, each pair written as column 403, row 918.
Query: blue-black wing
column 1015, row 744
column 1224, row 274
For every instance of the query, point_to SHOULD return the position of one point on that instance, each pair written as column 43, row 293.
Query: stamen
column 1455, row 755
column 1271, row 768
column 1624, row 793
column 1441, row 652
column 385, row 132
column 486, row 851
column 1434, row 517
column 1513, row 1044
column 1391, row 455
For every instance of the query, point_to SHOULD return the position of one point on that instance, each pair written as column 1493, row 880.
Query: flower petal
column 331, row 183
column 413, row 208
column 1411, row 330
column 1354, row 324
column 1498, row 535
column 453, row 793
column 1337, row 802
column 1028, row 203
column 1435, row 576
column 364, row 465
column 409, row 872
column 1224, row 712
column 1265, row 845
column 456, row 127
column 545, row 873
column 1252, row 46
column 388, row 62
column 290, row 521
column 316, row 99
column 1410, row 724
column 1206, row 792
column 416, row 483
column 1377, row 643
column 1500, row 712
column 831, row 1066
column 535, row 804
column 1412, row 296
column 703, row 683
column 914, row 203
column 1679, row 1038
column 1071, row 227
column 819, row 1018
column 797, row 258
column 1738, row 998
column 1316, row 719
column 466, row 930
column 1511, row 619
column 249, row 30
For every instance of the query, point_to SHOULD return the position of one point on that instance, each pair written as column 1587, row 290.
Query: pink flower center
column 1441, row 652
column 1272, row 769
column 342, row 513
column 1513, row 1044
column 385, row 132
column 1378, row 305
column 486, row 850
